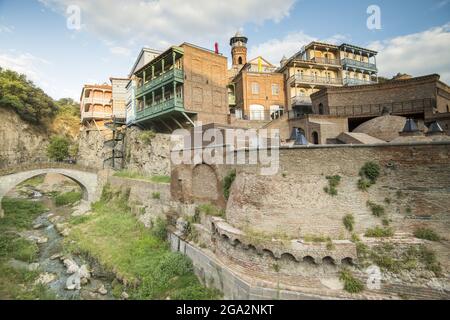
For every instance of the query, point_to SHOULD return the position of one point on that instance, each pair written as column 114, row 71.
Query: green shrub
column 351, row 284
column 426, row 234
column 156, row 195
column 349, row 222
column 369, row 174
column 333, row 183
column 371, row 171
column 58, row 148
column 364, row 184
column 377, row 210
column 379, row 232
column 227, row 182
column 159, row 229
column 147, row 136
column 68, row 198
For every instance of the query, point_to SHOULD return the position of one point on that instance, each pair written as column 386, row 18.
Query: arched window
column 315, row 137
column 240, row 60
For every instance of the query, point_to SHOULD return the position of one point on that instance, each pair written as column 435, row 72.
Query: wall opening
column 315, row 137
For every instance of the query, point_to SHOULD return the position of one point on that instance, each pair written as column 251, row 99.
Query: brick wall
column 205, row 84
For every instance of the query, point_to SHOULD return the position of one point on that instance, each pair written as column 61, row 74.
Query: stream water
column 51, row 257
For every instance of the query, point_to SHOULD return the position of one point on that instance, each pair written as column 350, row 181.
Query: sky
column 60, row 50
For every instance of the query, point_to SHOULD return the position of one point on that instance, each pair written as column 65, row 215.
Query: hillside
column 30, row 117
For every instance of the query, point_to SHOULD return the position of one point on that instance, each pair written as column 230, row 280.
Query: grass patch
column 349, row 222
column 129, row 174
column 333, row 183
column 351, row 284
column 147, row 136
column 377, row 210
column 426, row 234
column 68, row 198
column 156, row 195
column 316, row 239
column 211, row 210
column 136, row 255
column 379, row 232
column 18, row 284
column 33, row 182
column 227, row 182
column 386, row 259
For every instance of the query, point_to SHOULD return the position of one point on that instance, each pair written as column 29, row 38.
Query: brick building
column 425, row 98
column 95, row 103
column 181, row 86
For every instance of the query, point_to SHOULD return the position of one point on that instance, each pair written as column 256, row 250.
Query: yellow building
column 319, row 65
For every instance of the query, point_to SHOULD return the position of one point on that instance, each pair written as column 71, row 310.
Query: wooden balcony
column 161, row 80
column 355, row 64
column 159, row 108
column 308, row 79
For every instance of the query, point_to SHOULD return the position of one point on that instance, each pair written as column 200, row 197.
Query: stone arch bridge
column 86, row 178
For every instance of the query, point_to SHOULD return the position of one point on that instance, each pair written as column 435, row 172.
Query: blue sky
column 34, row 38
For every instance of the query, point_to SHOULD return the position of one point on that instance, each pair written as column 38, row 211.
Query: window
column 315, row 137
column 275, row 89
column 240, row 60
column 255, row 88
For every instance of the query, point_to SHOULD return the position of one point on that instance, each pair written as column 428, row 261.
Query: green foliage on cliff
column 349, row 222
column 369, row 174
column 58, row 148
column 351, row 284
column 24, row 97
column 227, row 182
column 426, row 234
column 333, row 182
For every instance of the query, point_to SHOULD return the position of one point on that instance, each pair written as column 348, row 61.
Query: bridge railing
column 46, row 164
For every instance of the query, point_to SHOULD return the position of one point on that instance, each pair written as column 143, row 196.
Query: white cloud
column 274, row 49
column 120, row 51
column 23, row 63
column 34, row 68
column 165, row 22
column 6, row 29
column 417, row 54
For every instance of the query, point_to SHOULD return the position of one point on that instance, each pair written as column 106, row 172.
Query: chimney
column 216, row 48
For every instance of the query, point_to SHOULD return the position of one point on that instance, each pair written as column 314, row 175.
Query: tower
column 238, row 45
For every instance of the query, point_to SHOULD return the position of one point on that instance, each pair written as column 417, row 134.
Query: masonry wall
column 415, row 180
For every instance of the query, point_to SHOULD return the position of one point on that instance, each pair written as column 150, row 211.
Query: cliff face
column 20, row 141
column 151, row 157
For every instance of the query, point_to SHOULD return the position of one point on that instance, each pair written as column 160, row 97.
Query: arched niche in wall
column 205, row 183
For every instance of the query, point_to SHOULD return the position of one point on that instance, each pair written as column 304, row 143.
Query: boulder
column 45, row 278
column 71, row 266
column 102, row 290
column 73, row 282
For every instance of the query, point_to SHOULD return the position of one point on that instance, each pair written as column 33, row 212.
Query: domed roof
column 386, row 127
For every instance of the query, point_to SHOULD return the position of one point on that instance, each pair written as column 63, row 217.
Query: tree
column 24, row 97
column 58, row 149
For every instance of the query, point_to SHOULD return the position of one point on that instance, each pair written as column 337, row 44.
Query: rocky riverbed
column 67, row 276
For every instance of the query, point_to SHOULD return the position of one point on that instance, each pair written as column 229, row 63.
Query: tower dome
column 238, row 45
